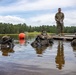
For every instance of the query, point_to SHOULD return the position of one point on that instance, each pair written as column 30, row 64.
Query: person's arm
column 62, row 16
column 56, row 18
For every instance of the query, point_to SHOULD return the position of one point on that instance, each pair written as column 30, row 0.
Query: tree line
column 6, row 28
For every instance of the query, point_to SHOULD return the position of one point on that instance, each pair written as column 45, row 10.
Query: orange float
column 21, row 36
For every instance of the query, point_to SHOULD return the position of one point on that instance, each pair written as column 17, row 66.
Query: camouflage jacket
column 59, row 16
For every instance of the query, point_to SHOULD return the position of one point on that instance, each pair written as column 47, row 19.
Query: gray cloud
column 48, row 18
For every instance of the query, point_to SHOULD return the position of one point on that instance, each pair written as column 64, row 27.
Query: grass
column 32, row 33
column 28, row 34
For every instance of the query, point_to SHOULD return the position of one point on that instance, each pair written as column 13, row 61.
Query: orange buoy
column 21, row 36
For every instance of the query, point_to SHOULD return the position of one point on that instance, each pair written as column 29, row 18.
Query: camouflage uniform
column 59, row 17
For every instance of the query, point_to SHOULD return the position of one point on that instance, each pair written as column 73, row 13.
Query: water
column 61, row 56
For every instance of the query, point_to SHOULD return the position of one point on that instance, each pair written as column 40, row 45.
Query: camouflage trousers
column 60, row 28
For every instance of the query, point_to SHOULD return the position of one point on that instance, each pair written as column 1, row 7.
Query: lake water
column 60, row 57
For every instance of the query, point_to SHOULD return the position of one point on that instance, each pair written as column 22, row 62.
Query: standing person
column 59, row 17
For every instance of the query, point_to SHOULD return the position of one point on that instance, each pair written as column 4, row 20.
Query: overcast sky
column 37, row 12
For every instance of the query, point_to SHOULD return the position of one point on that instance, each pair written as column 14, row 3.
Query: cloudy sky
column 37, row 12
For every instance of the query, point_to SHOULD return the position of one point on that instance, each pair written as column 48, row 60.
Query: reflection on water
column 40, row 50
column 74, row 50
column 6, row 51
column 60, row 61
column 53, row 58
column 22, row 41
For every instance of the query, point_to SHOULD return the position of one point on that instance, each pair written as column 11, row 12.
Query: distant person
column 42, row 36
column 6, row 39
column 59, row 17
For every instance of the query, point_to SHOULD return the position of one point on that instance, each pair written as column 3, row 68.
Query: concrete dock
column 65, row 37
